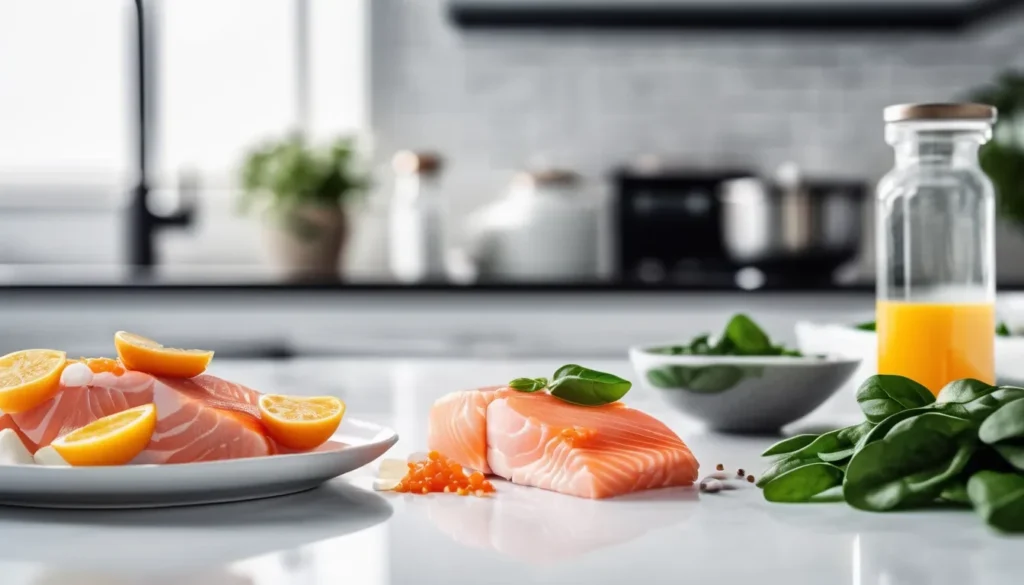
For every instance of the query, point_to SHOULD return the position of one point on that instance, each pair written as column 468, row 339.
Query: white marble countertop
column 343, row 533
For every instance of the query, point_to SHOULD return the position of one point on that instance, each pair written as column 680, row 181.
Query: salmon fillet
column 200, row 419
column 457, row 426
column 538, row 440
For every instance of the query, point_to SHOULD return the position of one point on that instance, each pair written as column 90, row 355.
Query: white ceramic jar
column 543, row 230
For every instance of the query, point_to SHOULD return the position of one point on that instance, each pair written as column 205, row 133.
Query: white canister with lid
column 543, row 230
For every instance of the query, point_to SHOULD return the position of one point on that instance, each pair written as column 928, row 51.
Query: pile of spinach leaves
column 742, row 336
column 964, row 447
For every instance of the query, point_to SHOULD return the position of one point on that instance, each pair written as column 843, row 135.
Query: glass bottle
column 936, row 247
column 416, row 230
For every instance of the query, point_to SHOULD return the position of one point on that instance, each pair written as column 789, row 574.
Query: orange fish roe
column 100, row 365
column 440, row 474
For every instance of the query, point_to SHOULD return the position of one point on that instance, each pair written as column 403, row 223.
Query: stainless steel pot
column 783, row 225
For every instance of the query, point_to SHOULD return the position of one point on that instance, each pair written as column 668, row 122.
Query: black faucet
column 143, row 224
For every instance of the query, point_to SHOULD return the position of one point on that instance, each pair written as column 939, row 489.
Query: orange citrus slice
column 145, row 355
column 300, row 422
column 29, row 378
column 111, row 440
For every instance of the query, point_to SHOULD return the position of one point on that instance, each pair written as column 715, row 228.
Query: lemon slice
column 111, row 440
column 145, row 355
column 299, row 422
column 29, row 378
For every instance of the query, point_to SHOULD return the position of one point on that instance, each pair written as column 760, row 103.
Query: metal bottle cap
column 408, row 162
column 951, row 111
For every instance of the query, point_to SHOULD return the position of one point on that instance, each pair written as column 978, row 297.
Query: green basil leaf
column 568, row 370
column 1002, row 330
column 789, row 445
column 911, row 464
column 746, row 336
column 966, row 390
column 1006, row 422
column 882, row 396
column 999, row 499
column 868, row 326
column 1012, row 452
column 803, row 483
column 585, row 387
column 528, row 384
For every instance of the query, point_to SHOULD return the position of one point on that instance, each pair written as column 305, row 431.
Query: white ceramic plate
column 356, row 444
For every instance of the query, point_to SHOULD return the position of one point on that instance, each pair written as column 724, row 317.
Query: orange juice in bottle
column 936, row 247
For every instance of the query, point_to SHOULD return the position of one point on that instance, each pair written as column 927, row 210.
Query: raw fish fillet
column 538, row 440
column 7, row 422
column 458, row 426
column 200, row 419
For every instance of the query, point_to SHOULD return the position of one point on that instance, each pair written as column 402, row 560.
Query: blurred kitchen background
column 430, row 177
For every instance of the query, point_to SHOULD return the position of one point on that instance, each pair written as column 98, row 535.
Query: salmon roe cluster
column 440, row 474
column 101, row 365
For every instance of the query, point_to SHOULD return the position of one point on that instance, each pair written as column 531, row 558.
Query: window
column 63, row 90
column 225, row 76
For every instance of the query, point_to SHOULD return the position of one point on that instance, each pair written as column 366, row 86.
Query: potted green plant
column 301, row 190
column 1002, row 158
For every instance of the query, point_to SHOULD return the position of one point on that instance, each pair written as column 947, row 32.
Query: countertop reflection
column 344, row 533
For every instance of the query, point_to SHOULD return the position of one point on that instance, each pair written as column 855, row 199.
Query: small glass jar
column 936, row 246
column 417, row 218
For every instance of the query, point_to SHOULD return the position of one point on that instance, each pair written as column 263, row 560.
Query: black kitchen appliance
column 676, row 227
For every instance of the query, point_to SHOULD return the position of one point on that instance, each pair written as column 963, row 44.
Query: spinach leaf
column 579, row 385
column 911, row 464
column 1007, row 422
column 746, row 336
column 829, row 496
column 1012, row 452
column 825, row 443
column 884, row 395
column 528, row 384
column 966, row 390
column 663, row 377
column 847, row 439
column 794, row 443
column 852, row 435
column 984, row 405
column 1002, row 330
column 999, row 499
column 713, row 379
column 803, row 483
column 955, row 492
column 783, row 465
column 836, row 456
column 869, row 326
column 881, row 429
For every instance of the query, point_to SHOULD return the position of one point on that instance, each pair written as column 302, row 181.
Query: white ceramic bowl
column 742, row 394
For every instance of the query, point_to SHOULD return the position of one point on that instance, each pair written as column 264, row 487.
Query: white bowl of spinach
column 740, row 381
